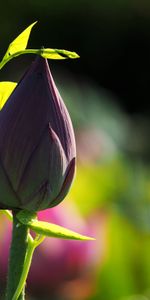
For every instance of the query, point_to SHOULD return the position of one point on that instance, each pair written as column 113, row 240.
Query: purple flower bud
column 37, row 144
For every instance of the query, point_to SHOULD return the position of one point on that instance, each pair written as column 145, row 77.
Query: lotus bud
column 37, row 144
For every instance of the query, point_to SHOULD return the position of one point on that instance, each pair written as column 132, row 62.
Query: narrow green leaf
column 20, row 43
column 6, row 88
column 48, row 229
column 53, row 230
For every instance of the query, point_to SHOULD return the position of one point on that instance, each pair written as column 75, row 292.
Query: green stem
column 25, row 271
column 32, row 244
column 18, row 53
column 18, row 251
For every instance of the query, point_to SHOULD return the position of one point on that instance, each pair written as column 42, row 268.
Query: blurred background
column 107, row 93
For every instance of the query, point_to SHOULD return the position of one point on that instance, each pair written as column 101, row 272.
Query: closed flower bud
column 37, row 145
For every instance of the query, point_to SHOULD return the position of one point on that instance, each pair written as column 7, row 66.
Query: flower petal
column 44, row 173
column 23, row 119
column 8, row 198
column 69, row 175
column 60, row 120
column 34, row 103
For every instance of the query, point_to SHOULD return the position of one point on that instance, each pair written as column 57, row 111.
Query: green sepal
column 48, row 229
column 25, row 216
column 53, row 230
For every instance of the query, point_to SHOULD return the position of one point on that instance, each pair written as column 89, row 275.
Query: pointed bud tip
column 39, row 64
column 39, row 58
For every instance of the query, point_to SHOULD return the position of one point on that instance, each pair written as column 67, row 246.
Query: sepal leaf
column 25, row 216
column 49, row 229
column 53, row 230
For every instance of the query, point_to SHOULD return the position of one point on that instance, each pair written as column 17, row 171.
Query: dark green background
column 112, row 38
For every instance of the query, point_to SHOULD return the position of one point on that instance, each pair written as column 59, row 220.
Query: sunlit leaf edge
column 19, row 43
column 6, row 89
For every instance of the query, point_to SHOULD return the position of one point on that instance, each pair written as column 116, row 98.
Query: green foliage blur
column 106, row 92
column 113, row 184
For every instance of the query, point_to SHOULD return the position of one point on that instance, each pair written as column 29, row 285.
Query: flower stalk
column 19, row 245
column 32, row 244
